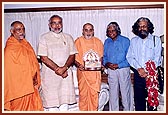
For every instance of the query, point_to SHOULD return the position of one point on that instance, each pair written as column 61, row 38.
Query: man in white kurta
column 57, row 88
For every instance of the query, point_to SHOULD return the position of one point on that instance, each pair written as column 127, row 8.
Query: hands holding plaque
column 91, row 60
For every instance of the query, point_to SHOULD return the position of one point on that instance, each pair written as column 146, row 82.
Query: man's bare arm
column 62, row 71
column 78, row 65
column 70, row 61
column 49, row 63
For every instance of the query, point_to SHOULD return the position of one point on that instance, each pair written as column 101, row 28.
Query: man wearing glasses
column 57, row 52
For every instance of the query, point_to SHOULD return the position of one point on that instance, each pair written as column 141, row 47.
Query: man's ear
column 49, row 25
column 11, row 30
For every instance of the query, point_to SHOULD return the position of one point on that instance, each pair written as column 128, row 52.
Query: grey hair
column 88, row 24
column 55, row 16
column 115, row 25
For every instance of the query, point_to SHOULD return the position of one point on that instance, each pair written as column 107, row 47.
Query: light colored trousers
column 119, row 79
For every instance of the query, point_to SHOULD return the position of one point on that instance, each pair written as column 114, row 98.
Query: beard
column 19, row 36
column 22, row 36
column 56, row 30
column 143, row 34
column 88, row 36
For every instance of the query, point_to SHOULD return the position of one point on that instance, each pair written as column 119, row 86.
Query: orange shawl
column 20, row 65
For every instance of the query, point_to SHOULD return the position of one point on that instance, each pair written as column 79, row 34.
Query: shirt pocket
column 149, row 50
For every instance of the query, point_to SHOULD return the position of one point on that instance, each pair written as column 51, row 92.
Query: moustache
column 22, row 35
column 56, row 30
column 143, row 34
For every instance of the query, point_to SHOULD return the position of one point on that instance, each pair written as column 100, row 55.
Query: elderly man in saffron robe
column 21, row 73
column 88, row 81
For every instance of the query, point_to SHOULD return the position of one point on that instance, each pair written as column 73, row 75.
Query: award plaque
column 91, row 60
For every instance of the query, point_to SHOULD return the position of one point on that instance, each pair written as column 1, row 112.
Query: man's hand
column 81, row 67
column 35, row 81
column 142, row 72
column 115, row 66
column 61, row 71
column 112, row 66
column 65, row 74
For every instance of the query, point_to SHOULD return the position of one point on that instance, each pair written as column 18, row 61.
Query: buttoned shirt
column 142, row 50
column 115, row 51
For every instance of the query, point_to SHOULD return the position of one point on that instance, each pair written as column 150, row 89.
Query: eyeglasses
column 111, row 31
column 88, row 30
column 143, row 27
column 19, row 29
column 56, row 23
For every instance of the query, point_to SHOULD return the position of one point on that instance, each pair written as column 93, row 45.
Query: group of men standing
column 59, row 52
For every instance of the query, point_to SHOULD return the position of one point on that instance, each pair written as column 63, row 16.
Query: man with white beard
column 89, row 82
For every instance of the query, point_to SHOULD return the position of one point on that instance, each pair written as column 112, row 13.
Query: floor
column 75, row 107
column 159, row 108
column 106, row 107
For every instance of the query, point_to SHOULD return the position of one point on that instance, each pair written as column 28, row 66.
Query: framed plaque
column 92, row 61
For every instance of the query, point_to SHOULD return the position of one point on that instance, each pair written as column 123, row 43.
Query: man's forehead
column 18, row 24
column 87, row 26
column 111, row 27
column 56, row 18
column 143, row 22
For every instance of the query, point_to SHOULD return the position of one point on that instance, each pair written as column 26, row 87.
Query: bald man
column 21, row 73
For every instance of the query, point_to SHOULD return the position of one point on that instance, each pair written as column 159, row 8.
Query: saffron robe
column 20, row 68
column 88, row 81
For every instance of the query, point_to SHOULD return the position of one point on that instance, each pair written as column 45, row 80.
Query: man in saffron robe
column 21, row 73
column 88, row 81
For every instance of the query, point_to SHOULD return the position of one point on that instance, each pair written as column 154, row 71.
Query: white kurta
column 54, row 89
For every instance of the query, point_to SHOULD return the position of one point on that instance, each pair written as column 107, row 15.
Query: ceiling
column 52, row 4
column 16, row 5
